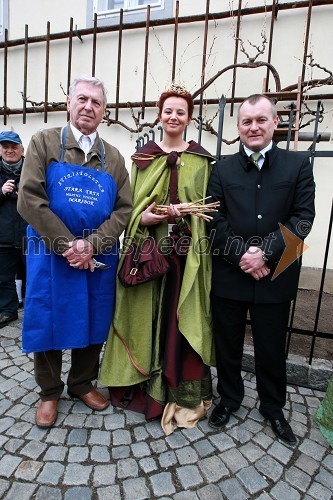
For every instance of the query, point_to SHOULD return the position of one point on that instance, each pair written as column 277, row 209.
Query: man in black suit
column 267, row 209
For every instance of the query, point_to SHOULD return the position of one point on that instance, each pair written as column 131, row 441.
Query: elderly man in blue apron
column 75, row 196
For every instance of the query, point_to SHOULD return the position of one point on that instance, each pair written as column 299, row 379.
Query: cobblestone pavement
column 116, row 454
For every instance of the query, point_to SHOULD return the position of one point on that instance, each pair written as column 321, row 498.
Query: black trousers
column 84, row 369
column 269, row 327
column 11, row 259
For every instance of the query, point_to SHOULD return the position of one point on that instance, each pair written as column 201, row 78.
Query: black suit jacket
column 253, row 203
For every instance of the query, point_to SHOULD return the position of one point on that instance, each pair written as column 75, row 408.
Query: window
column 134, row 10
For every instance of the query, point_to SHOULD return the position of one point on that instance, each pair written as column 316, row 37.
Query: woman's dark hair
column 171, row 93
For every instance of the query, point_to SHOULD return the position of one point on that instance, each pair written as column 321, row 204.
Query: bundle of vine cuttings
column 197, row 208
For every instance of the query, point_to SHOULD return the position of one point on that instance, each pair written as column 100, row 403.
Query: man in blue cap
column 12, row 227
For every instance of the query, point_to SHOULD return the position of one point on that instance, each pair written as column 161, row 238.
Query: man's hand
column 8, row 187
column 80, row 254
column 252, row 262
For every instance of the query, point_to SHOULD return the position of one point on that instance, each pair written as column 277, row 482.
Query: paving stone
column 177, row 440
column 241, row 434
column 104, row 475
column 158, row 446
column 298, row 417
column 312, row 449
column 76, row 421
column 127, row 468
column 284, row 490
column 307, row 464
column 167, row 459
column 251, row 452
column 33, row 449
column 77, row 437
column 136, row 488
column 316, row 435
column 76, row 474
column 213, row 468
column 252, row 480
column 298, row 478
column 221, row 441
column 232, row 489
column 263, row 440
column 80, row 492
column 325, row 478
column 17, row 410
column 8, row 464
column 114, row 421
column 185, row 495
column 269, row 467
column 148, row 465
column 21, row 491
column 56, row 436
column 186, row 455
column 133, row 418
column 300, row 430
column 189, row 476
column 203, row 448
column 48, row 493
column 328, row 462
column 234, row 460
column 120, row 452
column 140, row 450
column 211, row 491
column 51, row 473
column 154, row 429
column 28, row 470
column 12, row 445
column 100, row 454
column 78, row 454
column 94, row 421
column 4, row 486
column 281, row 452
column 140, row 433
column 162, row 484
column 56, row 453
column 193, row 434
column 121, row 436
column 109, row 493
column 36, row 433
column 319, row 492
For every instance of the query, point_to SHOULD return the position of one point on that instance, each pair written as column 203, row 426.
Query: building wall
column 287, row 58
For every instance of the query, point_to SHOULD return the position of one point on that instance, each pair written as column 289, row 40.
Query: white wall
column 287, row 58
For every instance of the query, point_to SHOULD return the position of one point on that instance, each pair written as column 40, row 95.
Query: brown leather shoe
column 47, row 413
column 93, row 399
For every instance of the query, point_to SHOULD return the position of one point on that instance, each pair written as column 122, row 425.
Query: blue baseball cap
column 8, row 135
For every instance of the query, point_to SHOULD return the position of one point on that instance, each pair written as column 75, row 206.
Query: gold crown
column 178, row 88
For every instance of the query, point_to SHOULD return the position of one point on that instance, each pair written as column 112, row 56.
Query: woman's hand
column 149, row 218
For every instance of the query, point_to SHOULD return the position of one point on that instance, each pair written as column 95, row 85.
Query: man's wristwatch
column 264, row 256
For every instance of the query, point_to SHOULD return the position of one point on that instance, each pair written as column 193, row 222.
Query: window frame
column 163, row 9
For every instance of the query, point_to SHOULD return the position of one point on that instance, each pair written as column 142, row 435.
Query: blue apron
column 65, row 307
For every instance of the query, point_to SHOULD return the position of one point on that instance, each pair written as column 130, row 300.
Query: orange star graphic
column 295, row 247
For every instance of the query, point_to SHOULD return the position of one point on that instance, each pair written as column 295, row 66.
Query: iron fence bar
column 175, row 41
column 120, row 40
column 291, row 116
column 321, row 288
column 203, row 64
column 270, row 44
column 235, row 58
column 306, row 42
column 93, row 64
column 315, row 133
column 70, row 50
column 170, row 21
column 25, row 75
column 145, row 65
column 47, row 67
column 199, row 128
column 5, row 78
column 222, row 104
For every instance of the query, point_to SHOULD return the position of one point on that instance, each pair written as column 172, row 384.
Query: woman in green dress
column 160, row 346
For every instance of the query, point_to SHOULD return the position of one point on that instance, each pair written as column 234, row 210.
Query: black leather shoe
column 219, row 417
column 5, row 319
column 282, row 430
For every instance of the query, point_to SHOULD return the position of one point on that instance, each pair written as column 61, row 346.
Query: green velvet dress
column 324, row 415
column 134, row 356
